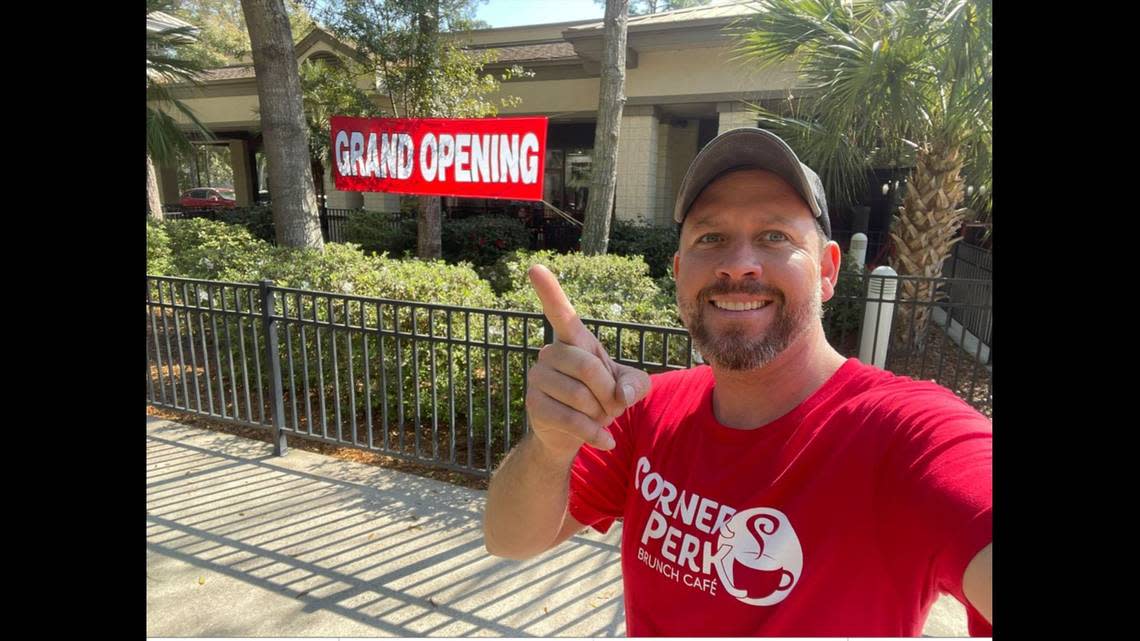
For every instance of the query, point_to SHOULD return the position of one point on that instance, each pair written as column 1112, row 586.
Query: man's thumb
column 632, row 384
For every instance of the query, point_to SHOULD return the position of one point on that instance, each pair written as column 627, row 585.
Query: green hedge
column 158, row 253
column 655, row 244
column 381, row 233
column 608, row 287
column 258, row 220
column 483, row 240
column 843, row 314
column 211, row 250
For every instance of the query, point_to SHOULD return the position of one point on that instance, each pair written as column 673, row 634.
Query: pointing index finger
column 556, row 307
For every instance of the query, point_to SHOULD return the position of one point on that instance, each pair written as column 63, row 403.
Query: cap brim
column 747, row 147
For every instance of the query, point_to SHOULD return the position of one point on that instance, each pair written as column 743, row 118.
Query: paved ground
column 240, row 543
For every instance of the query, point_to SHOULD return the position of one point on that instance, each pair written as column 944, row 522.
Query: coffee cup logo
column 759, row 559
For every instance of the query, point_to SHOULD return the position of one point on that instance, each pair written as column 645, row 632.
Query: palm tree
column 164, row 65
column 905, row 83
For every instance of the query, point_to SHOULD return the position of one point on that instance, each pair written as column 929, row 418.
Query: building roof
column 536, row 52
column 233, row 72
column 716, row 11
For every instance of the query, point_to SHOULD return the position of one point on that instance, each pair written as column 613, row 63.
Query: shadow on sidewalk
column 306, row 545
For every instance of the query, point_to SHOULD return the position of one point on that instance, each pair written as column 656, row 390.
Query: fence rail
column 444, row 385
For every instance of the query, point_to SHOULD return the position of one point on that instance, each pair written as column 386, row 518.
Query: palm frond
column 164, row 68
column 842, row 166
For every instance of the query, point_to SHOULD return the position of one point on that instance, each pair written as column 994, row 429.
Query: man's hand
column 575, row 389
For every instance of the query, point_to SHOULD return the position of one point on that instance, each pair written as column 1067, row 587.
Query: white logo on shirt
column 763, row 560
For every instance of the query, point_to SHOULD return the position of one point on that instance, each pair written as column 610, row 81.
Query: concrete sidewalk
column 240, row 543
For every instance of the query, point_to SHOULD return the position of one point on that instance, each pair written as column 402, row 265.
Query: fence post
column 881, row 289
column 277, row 399
column 858, row 249
column 547, row 331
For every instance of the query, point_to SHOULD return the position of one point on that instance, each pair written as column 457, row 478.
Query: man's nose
column 739, row 261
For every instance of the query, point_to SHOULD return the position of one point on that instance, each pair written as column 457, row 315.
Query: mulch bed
column 947, row 364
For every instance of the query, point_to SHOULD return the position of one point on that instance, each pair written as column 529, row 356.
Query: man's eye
column 775, row 236
column 709, row 238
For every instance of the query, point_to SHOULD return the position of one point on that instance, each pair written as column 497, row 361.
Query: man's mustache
column 746, row 287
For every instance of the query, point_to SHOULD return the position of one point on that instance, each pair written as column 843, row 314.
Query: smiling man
column 780, row 490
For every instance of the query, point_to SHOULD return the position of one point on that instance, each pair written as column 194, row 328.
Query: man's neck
column 752, row 399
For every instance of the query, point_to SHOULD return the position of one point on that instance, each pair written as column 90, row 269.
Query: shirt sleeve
column 936, row 488
column 599, row 480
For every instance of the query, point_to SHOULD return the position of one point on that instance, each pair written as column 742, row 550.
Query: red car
column 208, row 198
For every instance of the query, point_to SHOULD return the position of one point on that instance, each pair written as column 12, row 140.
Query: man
column 780, row 490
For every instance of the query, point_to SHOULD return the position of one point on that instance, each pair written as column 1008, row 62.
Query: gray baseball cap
column 745, row 148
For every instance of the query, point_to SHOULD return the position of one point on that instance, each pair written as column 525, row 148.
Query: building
column 682, row 88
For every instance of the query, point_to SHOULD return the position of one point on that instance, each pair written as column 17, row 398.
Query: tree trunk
column 924, row 234
column 429, row 228
column 153, row 202
column 429, row 223
column 283, row 124
column 611, row 101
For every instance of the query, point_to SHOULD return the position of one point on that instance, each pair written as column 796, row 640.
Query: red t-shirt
column 845, row 517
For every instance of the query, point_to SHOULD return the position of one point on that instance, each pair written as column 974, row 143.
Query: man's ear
column 676, row 263
column 830, row 260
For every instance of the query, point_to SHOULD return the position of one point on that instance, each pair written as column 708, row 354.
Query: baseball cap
column 751, row 148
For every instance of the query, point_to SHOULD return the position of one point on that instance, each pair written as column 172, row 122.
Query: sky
column 510, row 13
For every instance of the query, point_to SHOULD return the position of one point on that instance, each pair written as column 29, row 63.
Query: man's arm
column 574, row 390
column 977, row 582
column 530, row 488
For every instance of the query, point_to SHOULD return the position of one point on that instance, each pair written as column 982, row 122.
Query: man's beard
column 732, row 348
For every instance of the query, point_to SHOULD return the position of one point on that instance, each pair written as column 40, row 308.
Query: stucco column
column 243, row 179
column 733, row 115
column 340, row 199
column 680, row 151
column 664, row 139
column 637, row 164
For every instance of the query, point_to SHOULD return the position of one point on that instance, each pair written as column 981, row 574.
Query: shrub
column 380, row 233
column 258, row 220
column 607, row 287
column 655, row 244
column 843, row 314
column 158, row 254
column 211, row 250
column 483, row 240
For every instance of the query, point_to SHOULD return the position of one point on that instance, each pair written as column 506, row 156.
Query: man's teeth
column 740, row 307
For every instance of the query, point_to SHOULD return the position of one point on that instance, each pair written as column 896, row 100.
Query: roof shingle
column 535, row 52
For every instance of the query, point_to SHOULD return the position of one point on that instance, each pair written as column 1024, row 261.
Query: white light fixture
column 886, row 188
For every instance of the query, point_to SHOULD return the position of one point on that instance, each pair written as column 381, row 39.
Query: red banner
column 469, row 158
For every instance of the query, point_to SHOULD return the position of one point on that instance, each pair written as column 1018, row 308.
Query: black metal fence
column 444, row 385
column 919, row 337
column 334, row 222
column 974, row 263
column 435, row 384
